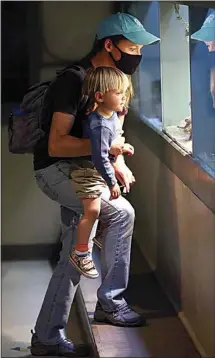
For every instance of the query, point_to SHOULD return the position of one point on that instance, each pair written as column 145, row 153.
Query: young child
column 108, row 90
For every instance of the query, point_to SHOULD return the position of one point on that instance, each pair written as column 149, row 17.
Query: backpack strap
column 80, row 72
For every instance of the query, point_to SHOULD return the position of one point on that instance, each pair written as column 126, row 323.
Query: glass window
column 202, row 29
column 175, row 82
column 175, row 73
column 147, row 80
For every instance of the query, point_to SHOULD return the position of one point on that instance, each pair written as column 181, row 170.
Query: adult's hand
column 123, row 173
column 128, row 149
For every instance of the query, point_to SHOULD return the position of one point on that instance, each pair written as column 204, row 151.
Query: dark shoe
column 64, row 349
column 98, row 238
column 124, row 317
column 98, row 241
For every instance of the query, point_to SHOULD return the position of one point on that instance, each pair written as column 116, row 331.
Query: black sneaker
column 124, row 317
column 98, row 240
column 64, row 349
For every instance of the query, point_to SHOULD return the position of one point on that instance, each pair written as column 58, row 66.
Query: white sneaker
column 84, row 264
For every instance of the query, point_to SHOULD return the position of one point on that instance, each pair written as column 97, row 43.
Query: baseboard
column 30, row 252
column 192, row 335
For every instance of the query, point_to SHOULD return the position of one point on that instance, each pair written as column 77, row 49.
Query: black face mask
column 127, row 63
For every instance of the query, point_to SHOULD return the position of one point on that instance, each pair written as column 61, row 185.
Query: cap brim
column 205, row 34
column 141, row 37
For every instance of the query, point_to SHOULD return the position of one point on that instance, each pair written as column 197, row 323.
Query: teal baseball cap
column 207, row 31
column 128, row 26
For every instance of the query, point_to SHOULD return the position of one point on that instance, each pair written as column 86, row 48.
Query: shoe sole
column 79, row 270
column 39, row 352
column 35, row 351
column 118, row 324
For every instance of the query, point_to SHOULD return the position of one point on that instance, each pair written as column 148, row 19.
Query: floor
column 164, row 335
column 24, row 284
column 23, row 287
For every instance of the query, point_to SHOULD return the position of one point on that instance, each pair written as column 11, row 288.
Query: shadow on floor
column 144, row 291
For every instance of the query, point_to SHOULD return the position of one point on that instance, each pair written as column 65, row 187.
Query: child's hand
column 128, row 149
column 117, row 146
column 115, row 191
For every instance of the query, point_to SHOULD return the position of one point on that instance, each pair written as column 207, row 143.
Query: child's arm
column 119, row 146
column 101, row 138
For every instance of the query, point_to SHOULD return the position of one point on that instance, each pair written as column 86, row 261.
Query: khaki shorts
column 88, row 183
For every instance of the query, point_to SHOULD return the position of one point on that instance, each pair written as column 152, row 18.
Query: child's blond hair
column 104, row 79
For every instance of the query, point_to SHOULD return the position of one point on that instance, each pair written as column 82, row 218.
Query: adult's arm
column 66, row 94
column 61, row 144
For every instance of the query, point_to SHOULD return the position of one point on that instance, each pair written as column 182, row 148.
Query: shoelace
column 73, row 347
column 67, row 343
column 122, row 309
column 87, row 262
column 125, row 309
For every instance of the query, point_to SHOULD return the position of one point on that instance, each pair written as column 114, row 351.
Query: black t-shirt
column 64, row 96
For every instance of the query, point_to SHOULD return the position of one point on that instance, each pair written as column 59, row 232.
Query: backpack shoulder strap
column 76, row 69
column 81, row 73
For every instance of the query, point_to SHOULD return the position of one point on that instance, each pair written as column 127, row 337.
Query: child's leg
column 91, row 214
column 80, row 257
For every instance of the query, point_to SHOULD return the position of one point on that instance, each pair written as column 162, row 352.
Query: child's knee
column 93, row 213
column 92, row 209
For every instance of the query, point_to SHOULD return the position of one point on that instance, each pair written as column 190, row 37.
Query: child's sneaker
column 84, row 264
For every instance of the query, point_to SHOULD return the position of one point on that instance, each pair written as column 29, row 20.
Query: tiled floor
column 24, row 284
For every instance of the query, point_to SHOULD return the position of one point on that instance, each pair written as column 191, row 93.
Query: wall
column 69, row 30
column 28, row 216
column 176, row 233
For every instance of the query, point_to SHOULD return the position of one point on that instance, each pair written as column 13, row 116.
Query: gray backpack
column 25, row 122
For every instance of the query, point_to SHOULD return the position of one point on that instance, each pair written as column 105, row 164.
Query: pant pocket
column 46, row 189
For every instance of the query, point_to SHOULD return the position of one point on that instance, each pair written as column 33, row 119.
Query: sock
column 81, row 249
column 81, row 253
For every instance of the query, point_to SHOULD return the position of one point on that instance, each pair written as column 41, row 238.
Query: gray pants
column 118, row 218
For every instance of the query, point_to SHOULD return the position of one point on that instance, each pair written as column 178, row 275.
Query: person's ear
column 108, row 45
column 99, row 97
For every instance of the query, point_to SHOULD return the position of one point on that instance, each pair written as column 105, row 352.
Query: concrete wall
column 69, row 29
column 176, row 233
column 28, row 216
